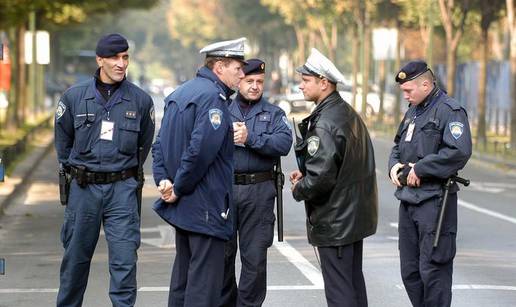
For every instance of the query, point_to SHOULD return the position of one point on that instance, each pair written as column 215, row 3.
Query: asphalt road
column 485, row 266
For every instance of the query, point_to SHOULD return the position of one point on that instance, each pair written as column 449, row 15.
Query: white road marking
column 303, row 265
column 486, row 211
column 492, row 187
column 475, row 287
column 270, row 288
column 43, row 290
column 165, row 239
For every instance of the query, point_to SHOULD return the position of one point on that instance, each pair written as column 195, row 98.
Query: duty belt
column 251, row 178
column 85, row 177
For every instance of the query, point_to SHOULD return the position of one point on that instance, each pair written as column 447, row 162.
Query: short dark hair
column 210, row 61
column 426, row 76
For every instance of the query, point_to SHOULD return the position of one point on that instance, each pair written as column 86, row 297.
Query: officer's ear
column 325, row 84
column 100, row 61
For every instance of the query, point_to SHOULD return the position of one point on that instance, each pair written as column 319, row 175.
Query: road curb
column 23, row 169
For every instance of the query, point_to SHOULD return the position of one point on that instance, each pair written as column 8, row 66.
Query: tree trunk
column 397, row 64
column 453, row 36
column 451, row 58
column 12, row 119
column 300, row 46
column 334, row 36
column 382, row 90
column 482, row 80
column 365, row 69
column 355, row 57
column 512, row 38
column 21, row 80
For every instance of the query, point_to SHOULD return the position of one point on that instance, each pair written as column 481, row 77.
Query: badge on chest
column 106, row 130
column 410, row 132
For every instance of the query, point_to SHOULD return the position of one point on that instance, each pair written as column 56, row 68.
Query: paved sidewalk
column 39, row 149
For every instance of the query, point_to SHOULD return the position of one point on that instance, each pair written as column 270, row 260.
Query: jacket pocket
column 84, row 126
column 128, row 137
column 429, row 141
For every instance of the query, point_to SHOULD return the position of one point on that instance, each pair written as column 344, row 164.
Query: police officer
column 433, row 142
column 99, row 126
column 193, row 168
column 337, row 181
column 262, row 135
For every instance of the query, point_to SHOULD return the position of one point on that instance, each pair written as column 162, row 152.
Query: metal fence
column 498, row 92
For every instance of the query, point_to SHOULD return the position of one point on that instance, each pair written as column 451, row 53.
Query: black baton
column 141, row 180
column 447, row 185
column 280, row 180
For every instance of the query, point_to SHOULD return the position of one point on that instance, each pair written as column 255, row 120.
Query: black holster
column 64, row 186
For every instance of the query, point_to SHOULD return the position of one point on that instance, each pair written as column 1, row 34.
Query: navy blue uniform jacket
column 78, row 122
column 440, row 145
column 269, row 137
column 194, row 150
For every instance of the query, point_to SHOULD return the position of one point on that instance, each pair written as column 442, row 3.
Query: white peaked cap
column 228, row 49
column 320, row 66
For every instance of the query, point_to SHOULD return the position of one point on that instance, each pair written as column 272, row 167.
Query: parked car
column 293, row 101
column 373, row 100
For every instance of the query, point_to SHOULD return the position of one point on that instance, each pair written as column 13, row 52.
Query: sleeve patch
column 285, row 120
column 61, row 109
column 313, row 145
column 456, row 129
column 215, row 116
column 152, row 115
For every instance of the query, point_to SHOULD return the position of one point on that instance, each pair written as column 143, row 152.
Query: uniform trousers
column 114, row 205
column 197, row 271
column 344, row 283
column 255, row 227
column 426, row 271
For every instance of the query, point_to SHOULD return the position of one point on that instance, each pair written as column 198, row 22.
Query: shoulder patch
column 285, row 120
column 152, row 115
column 313, row 145
column 456, row 129
column 215, row 116
column 61, row 109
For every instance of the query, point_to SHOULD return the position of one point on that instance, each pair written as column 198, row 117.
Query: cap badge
column 402, row 75
column 262, row 67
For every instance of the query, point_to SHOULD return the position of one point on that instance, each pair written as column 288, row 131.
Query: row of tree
column 17, row 16
column 171, row 33
column 342, row 29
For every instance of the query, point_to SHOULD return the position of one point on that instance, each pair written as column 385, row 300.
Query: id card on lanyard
column 410, row 131
column 107, row 126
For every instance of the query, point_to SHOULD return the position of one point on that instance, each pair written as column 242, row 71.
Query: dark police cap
column 411, row 71
column 110, row 45
column 254, row 67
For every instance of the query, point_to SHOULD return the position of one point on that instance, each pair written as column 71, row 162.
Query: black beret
column 254, row 67
column 110, row 45
column 411, row 71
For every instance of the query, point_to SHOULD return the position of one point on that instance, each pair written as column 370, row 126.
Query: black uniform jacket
column 339, row 184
